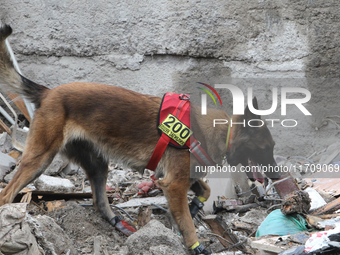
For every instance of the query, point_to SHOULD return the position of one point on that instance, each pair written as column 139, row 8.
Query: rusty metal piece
column 286, row 187
column 227, row 204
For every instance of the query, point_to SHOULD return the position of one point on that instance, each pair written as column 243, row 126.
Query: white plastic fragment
column 317, row 200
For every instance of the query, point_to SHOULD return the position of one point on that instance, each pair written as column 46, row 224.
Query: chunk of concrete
column 21, row 135
column 15, row 234
column 9, row 176
column 116, row 176
column 55, row 184
column 155, row 238
column 71, row 169
column 51, row 237
column 6, row 163
column 5, row 142
column 57, row 165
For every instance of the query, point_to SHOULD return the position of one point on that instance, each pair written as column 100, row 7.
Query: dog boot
column 122, row 225
column 195, row 205
column 198, row 248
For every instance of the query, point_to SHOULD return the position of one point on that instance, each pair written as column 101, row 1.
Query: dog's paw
column 200, row 250
column 122, row 226
column 125, row 228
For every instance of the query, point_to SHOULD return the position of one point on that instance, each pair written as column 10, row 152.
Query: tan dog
column 94, row 122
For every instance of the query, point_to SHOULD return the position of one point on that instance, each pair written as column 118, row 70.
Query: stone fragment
column 5, row 142
column 15, row 234
column 51, row 237
column 57, row 165
column 155, row 238
column 55, row 184
column 6, row 164
column 71, row 169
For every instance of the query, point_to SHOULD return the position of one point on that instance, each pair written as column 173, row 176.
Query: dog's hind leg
column 202, row 192
column 96, row 167
column 31, row 167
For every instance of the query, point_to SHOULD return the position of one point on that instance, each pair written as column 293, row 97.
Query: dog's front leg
column 202, row 192
column 175, row 186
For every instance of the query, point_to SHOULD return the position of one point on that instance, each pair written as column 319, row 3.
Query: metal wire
column 123, row 211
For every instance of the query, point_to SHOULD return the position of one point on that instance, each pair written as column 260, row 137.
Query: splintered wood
column 298, row 202
column 4, row 128
column 144, row 216
column 223, row 232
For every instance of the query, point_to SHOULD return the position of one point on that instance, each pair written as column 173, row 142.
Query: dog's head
column 251, row 145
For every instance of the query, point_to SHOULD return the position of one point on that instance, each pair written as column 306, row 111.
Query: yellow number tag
column 175, row 129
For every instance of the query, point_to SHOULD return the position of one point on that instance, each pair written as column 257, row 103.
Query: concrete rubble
column 142, row 44
column 60, row 220
column 6, row 164
column 155, row 238
column 55, row 184
column 22, row 234
column 15, row 233
column 57, row 165
column 5, row 142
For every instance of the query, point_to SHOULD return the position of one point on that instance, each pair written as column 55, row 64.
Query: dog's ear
column 255, row 104
column 248, row 114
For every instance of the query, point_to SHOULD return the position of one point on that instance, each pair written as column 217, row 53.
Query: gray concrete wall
column 158, row 46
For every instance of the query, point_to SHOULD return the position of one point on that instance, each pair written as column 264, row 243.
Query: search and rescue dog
column 90, row 123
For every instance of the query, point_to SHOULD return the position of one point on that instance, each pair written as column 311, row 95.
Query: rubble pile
column 56, row 215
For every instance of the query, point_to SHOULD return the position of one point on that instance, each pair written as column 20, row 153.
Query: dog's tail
column 10, row 79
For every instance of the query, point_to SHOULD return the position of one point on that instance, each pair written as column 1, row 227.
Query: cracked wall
column 159, row 46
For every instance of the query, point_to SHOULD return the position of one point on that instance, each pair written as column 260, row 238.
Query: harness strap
column 200, row 154
column 158, row 152
column 164, row 140
column 228, row 142
column 192, row 143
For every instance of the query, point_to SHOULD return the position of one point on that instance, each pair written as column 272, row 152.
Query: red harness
column 178, row 106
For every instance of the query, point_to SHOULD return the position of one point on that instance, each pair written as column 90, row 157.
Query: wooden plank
column 19, row 102
column 328, row 208
column 4, row 128
column 220, row 228
column 136, row 202
column 37, row 195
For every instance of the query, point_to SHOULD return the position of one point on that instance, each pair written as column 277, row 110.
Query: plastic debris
column 277, row 223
